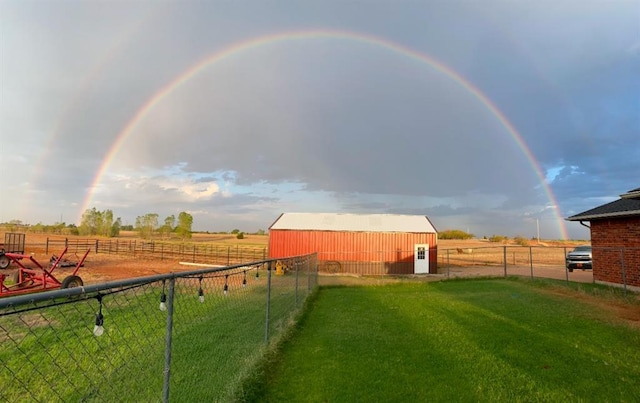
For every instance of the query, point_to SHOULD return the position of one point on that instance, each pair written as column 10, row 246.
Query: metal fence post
column 168, row 339
column 504, row 259
column 624, row 274
column 266, row 322
column 295, row 264
column 309, row 265
column 531, row 261
column 448, row 266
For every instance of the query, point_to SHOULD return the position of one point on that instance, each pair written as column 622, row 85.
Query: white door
column 421, row 259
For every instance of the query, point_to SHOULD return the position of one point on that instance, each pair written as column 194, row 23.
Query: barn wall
column 608, row 238
column 383, row 252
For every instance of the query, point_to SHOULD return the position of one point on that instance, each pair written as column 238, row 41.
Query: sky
column 492, row 117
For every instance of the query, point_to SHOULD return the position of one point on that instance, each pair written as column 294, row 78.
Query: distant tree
column 88, row 224
column 185, row 222
column 260, row 232
column 14, row 225
column 127, row 227
column 37, row 228
column 73, row 230
column 95, row 222
column 115, row 228
column 169, row 224
column 235, row 231
column 107, row 223
column 454, row 234
column 146, row 225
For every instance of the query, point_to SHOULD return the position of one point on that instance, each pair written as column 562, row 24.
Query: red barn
column 615, row 239
column 358, row 243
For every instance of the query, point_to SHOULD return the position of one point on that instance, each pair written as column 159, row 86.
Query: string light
column 225, row 289
column 163, row 299
column 244, row 280
column 200, row 291
column 98, row 329
column 257, row 274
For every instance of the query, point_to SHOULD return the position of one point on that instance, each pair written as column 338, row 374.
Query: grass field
column 51, row 354
column 468, row 340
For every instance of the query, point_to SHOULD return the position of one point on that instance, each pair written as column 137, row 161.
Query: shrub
column 498, row 238
column 240, row 235
column 454, row 234
column 520, row 240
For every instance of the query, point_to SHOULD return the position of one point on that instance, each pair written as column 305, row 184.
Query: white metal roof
column 353, row 222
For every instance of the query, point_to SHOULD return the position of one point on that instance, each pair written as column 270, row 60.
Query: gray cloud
column 319, row 123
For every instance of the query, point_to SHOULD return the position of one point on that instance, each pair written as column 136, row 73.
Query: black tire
column 4, row 261
column 72, row 281
column 332, row 267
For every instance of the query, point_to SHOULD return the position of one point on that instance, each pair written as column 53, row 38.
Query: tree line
column 102, row 223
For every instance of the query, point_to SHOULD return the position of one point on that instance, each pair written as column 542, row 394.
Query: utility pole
column 538, row 229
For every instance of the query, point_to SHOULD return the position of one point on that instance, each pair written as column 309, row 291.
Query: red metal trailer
column 13, row 243
column 27, row 280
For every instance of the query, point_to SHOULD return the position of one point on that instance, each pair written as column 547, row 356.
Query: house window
column 421, row 252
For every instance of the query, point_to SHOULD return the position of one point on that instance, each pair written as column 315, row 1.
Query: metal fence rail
column 186, row 252
column 192, row 336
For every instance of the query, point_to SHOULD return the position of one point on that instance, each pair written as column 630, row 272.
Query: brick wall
column 616, row 244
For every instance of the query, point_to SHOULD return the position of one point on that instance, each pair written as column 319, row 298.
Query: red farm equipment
column 27, row 280
column 13, row 243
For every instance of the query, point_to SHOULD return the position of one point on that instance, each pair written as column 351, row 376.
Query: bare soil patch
column 616, row 310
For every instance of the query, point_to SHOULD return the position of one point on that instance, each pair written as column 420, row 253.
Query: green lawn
column 469, row 340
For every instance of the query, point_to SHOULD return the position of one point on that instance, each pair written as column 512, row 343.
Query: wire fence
column 179, row 251
column 618, row 266
column 613, row 265
column 191, row 336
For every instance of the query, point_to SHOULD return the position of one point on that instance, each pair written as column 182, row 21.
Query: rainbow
column 247, row 45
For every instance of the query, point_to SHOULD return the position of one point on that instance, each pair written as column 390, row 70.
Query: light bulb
column 98, row 329
column 201, row 295
column 225, row 289
column 163, row 302
column 244, row 282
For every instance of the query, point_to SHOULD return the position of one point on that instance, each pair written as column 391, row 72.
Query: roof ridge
column 632, row 194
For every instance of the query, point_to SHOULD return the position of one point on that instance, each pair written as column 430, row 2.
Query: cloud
column 319, row 124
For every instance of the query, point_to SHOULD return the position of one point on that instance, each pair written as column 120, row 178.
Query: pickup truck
column 579, row 258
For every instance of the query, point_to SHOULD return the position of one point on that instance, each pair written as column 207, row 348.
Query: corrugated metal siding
column 351, row 246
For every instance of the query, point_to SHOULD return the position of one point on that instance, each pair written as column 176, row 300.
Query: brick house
column 615, row 238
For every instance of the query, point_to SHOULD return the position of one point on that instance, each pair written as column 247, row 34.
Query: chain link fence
column 192, row 336
column 618, row 266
